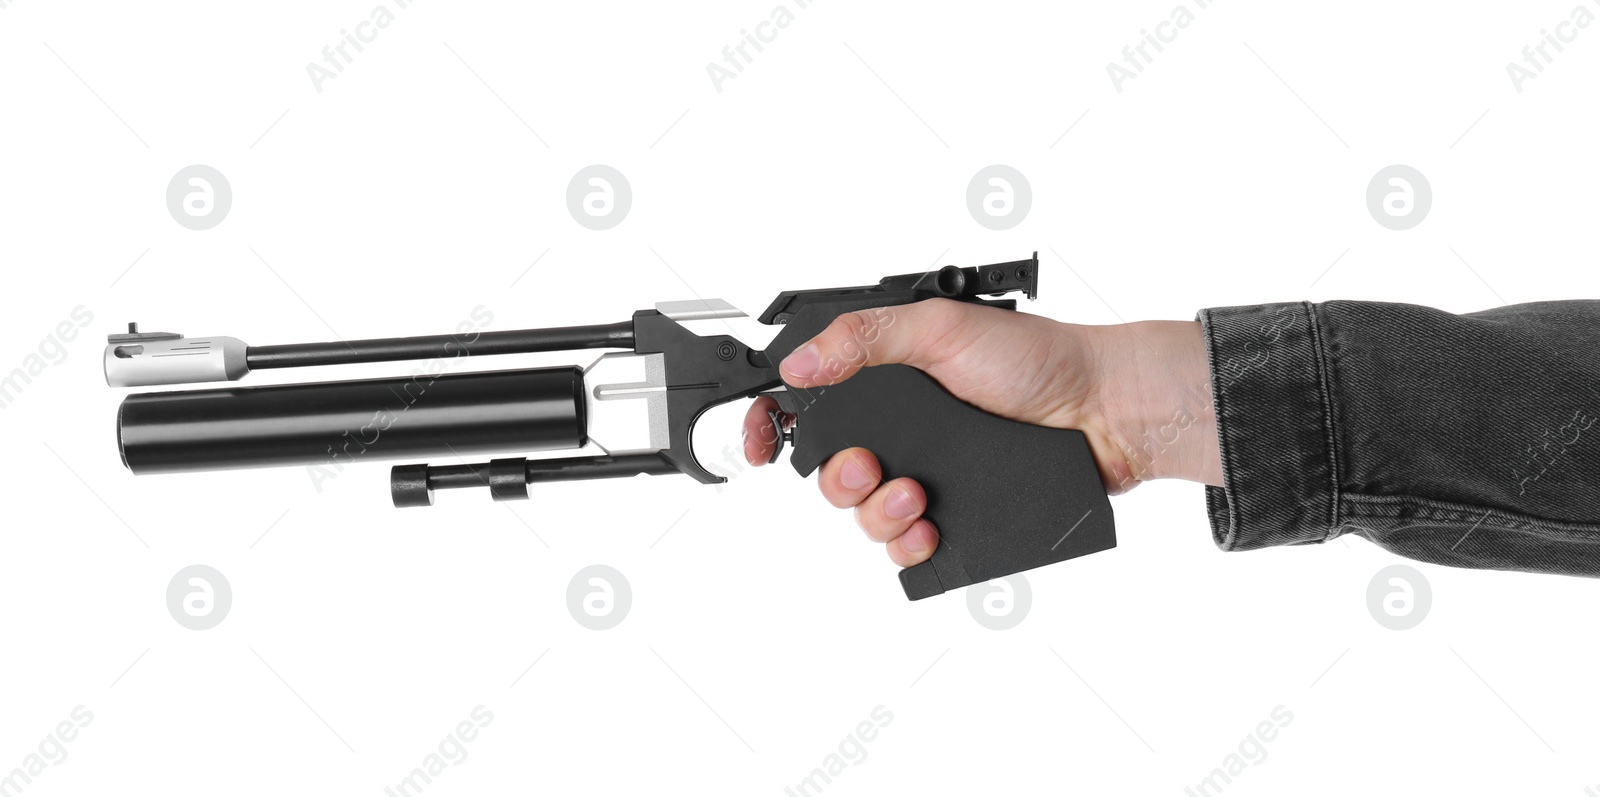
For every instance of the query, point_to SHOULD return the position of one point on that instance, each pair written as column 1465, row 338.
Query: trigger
column 779, row 434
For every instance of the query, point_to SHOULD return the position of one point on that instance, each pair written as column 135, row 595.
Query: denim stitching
column 1388, row 507
column 1323, row 364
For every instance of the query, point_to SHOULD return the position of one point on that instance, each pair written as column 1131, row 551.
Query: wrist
column 1155, row 395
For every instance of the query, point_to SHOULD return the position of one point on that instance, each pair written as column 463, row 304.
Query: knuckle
column 942, row 313
column 909, row 488
column 864, row 524
column 932, row 309
column 851, row 334
column 867, row 518
column 941, row 325
column 868, row 464
column 899, row 555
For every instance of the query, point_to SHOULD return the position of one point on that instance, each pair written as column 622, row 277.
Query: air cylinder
column 337, row 423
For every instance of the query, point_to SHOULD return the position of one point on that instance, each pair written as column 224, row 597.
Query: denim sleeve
column 1467, row 440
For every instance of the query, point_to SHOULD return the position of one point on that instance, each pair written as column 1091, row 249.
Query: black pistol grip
column 1005, row 496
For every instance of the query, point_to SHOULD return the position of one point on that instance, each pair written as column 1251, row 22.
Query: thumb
column 913, row 334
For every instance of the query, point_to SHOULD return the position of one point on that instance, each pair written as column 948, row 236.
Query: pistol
column 1005, row 496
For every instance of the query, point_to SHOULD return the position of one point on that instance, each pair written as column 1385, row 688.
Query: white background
column 414, row 188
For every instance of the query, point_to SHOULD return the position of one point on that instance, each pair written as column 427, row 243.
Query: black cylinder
column 337, row 423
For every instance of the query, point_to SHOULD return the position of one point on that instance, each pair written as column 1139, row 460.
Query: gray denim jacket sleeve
column 1467, row 440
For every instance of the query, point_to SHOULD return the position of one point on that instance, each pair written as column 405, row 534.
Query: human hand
column 1139, row 393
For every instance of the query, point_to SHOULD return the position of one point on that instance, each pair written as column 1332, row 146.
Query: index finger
column 760, row 438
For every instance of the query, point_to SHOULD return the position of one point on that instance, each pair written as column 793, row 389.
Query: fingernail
column 854, row 477
column 802, row 363
column 915, row 541
column 899, row 504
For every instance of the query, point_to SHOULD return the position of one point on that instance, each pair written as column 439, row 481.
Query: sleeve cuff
column 1269, row 385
